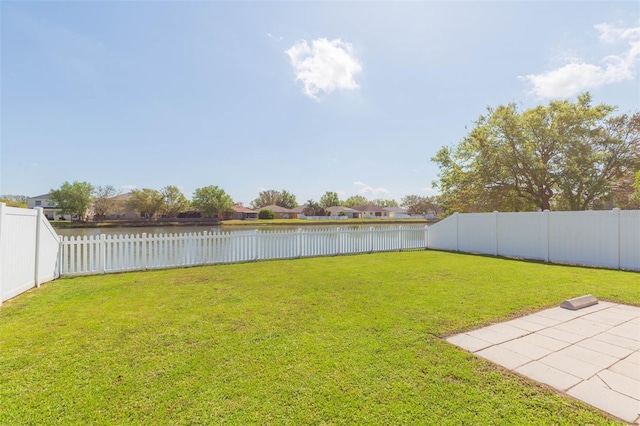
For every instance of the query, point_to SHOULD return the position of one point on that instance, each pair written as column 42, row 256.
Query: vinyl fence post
column 400, row 237
column 495, row 223
column 143, row 251
column 457, row 216
column 426, row 236
column 616, row 212
column 36, row 272
column 2, row 206
column 103, row 254
column 299, row 242
column 546, row 235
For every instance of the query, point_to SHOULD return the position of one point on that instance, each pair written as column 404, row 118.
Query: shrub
column 266, row 214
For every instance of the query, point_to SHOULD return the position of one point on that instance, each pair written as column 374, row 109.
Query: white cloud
column 578, row 75
column 369, row 191
column 324, row 66
column 272, row 37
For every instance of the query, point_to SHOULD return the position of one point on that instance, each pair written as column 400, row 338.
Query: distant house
column 243, row 213
column 120, row 209
column 337, row 210
column 282, row 213
column 397, row 212
column 49, row 208
column 369, row 210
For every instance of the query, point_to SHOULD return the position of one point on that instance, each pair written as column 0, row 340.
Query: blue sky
column 309, row 97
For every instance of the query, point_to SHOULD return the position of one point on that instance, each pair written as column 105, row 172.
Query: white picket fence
column 32, row 253
column 115, row 253
column 608, row 238
column 28, row 250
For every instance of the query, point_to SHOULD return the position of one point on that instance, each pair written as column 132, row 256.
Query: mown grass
column 337, row 340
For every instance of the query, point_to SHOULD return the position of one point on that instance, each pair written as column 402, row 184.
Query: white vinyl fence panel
column 114, row 253
column 594, row 238
column 28, row 250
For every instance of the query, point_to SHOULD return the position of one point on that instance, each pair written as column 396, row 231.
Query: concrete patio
column 592, row 354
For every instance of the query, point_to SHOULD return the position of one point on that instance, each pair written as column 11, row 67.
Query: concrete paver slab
column 605, row 348
column 565, row 336
column 591, row 392
column 621, row 383
column 549, row 375
column 583, row 327
column 571, row 365
column 592, row 354
column 504, row 357
column 580, row 353
column 470, row 343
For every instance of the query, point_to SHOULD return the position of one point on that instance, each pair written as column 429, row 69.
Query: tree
column 271, row 197
column 384, row 203
column 212, row 201
column 147, row 202
column 73, row 198
column 103, row 200
column 266, row 214
column 174, row 201
column 356, row 200
column 329, row 199
column 564, row 155
column 421, row 205
column 288, row 200
column 312, row 208
column 14, row 200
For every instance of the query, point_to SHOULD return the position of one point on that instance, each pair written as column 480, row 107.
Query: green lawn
column 336, row 340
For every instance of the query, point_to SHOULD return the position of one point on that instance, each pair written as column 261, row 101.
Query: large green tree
column 73, row 198
column 147, row 202
column 174, row 201
column 356, row 200
column 384, row 203
column 271, row 197
column 103, row 201
column 212, row 201
column 564, row 155
column 421, row 205
column 329, row 199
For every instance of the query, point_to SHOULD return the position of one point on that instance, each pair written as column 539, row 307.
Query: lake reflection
column 81, row 232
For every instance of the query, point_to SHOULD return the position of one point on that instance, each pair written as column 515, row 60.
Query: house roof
column 124, row 196
column 337, row 209
column 298, row 209
column 368, row 208
column 276, row 209
column 396, row 210
column 242, row 209
column 40, row 196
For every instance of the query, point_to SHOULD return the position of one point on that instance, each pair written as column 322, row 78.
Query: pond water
column 81, row 232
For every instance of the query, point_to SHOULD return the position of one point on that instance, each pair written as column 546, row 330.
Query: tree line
column 562, row 156
column 79, row 198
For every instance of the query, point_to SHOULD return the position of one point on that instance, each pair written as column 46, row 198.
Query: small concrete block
column 612, row 402
column 548, row 375
column 504, row 357
column 579, row 302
